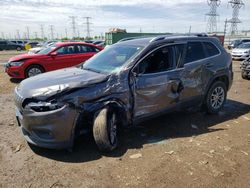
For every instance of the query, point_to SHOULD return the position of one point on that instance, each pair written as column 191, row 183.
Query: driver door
column 156, row 83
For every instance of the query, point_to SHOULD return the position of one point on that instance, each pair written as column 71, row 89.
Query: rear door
column 85, row 52
column 192, row 74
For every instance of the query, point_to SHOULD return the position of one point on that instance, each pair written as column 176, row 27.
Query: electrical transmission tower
column 28, row 32
column 52, row 31
column 212, row 20
column 73, row 22
column 236, row 5
column 42, row 31
column 88, row 26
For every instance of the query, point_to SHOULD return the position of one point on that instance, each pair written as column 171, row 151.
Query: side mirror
column 53, row 54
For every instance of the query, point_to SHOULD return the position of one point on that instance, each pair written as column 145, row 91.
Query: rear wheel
column 105, row 130
column 216, row 97
column 18, row 48
column 33, row 70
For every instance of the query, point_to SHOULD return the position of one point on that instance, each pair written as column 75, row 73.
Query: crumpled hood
column 51, row 83
column 24, row 56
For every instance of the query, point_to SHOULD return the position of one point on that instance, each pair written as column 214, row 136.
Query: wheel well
column 223, row 79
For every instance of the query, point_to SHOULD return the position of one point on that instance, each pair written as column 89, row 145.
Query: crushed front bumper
column 53, row 129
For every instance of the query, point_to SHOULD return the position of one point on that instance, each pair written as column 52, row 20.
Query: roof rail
column 132, row 38
column 162, row 37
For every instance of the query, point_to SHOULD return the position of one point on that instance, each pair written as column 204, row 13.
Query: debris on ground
column 244, row 152
column 135, row 156
column 169, row 152
column 18, row 148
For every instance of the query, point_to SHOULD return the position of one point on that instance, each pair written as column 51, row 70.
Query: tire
column 33, row 70
column 216, row 97
column 18, row 48
column 244, row 75
column 105, row 130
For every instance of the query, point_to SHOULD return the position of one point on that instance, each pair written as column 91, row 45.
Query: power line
column 87, row 26
column 212, row 20
column 236, row 5
column 73, row 22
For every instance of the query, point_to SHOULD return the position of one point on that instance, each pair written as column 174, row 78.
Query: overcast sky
column 149, row 15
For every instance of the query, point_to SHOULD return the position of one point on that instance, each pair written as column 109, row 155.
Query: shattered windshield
column 111, row 59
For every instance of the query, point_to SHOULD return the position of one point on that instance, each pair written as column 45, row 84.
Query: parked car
column 121, row 86
column 241, row 52
column 236, row 43
column 20, row 42
column 245, row 69
column 57, row 56
column 41, row 46
column 7, row 45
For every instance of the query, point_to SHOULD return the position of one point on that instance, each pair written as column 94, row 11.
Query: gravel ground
column 175, row 150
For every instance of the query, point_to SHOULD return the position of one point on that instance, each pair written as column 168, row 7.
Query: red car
column 60, row 55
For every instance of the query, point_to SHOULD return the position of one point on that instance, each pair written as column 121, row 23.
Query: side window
column 3, row 42
column 158, row 61
column 194, row 52
column 65, row 50
column 210, row 49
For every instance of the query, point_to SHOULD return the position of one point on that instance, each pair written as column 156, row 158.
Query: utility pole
column 52, row 31
column 66, row 33
column 42, row 31
column 225, row 27
column 2, row 33
column 190, row 28
column 73, row 22
column 28, row 32
column 18, row 34
column 36, row 36
column 87, row 26
column 236, row 5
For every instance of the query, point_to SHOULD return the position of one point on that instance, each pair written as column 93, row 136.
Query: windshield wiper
column 93, row 70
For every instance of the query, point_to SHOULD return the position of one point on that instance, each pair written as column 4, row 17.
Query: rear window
column 211, row 49
column 195, row 52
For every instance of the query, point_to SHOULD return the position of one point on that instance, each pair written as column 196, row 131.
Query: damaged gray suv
column 126, row 83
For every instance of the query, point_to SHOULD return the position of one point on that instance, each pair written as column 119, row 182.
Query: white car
column 241, row 52
column 38, row 49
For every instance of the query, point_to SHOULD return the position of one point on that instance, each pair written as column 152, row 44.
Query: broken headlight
column 43, row 106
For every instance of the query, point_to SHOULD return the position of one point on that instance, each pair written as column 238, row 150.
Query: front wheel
column 105, row 130
column 33, row 70
column 216, row 97
column 18, row 48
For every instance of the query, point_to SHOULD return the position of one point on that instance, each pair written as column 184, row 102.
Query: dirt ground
column 175, row 150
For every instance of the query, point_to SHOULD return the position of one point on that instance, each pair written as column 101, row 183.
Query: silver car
column 241, row 52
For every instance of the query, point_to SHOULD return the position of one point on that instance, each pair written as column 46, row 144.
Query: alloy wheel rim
column 34, row 72
column 217, row 97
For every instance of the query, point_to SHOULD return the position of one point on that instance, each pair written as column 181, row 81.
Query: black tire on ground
column 216, row 97
column 244, row 75
column 33, row 70
column 18, row 48
column 105, row 130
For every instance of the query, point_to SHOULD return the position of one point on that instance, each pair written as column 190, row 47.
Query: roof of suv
column 144, row 41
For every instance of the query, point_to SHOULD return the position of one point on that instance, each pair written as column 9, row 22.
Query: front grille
column 18, row 99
